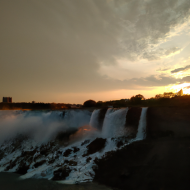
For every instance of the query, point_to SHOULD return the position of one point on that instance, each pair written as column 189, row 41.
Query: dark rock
column 95, row 146
column 67, row 152
column 51, row 161
column 37, row 164
column 59, row 152
column 101, row 117
column 125, row 174
column 71, row 163
column 12, row 164
column 44, row 150
column 143, row 165
column 75, row 149
column 22, row 169
column 28, row 153
column 63, row 136
column 132, row 120
column 1, row 154
column 61, row 173
column 30, row 159
column 168, row 121
column 38, row 156
column 88, row 159
column 85, row 142
column 120, row 143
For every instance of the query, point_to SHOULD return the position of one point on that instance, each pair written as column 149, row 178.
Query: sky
column 69, row 51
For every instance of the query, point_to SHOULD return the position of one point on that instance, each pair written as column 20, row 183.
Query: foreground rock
column 161, row 162
column 61, row 173
column 97, row 145
column 150, row 164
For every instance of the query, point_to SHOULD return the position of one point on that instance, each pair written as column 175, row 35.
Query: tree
column 137, row 99
column 99, row 104
column 89, row 103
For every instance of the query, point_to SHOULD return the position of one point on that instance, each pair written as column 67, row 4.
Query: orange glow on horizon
column 177, row 87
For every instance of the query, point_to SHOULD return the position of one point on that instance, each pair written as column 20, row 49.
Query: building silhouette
column 7, row 99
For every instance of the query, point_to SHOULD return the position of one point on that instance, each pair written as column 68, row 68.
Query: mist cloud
column 40, row 126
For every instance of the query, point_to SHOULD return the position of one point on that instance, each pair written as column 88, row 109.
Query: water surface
column 11, row 181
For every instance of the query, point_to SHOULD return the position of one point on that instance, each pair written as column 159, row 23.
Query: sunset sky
column 69, row 51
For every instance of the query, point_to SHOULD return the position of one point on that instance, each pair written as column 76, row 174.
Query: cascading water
column 114, row 122
column 141, row 134
column 94, row 119
column 71, row 156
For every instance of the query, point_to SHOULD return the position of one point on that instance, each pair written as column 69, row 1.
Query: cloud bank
column 181, row 69
column 62, row 45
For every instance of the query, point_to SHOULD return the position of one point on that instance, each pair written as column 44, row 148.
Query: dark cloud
column 163, row 69
column 181, row 69
column 59, row 45
column 159, row 53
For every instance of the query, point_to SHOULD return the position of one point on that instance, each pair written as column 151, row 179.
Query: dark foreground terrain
column 11, row 181
column 161, row 162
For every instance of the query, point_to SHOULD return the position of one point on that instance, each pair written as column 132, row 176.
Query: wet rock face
column 117, row 168
column 12, row 164
column 168, row 121
column 63, row 136
column 101, row 117
column 88, row 159
column 61, row 173
column 85, row 142
column 75, row 149
column 132, row 120
column 71, row 162
column 22, row 169
column 119, row 144
column 28, row 153
column 37, row 164
column 125, row 174
column 67, row 152
column 44, row 150
column 1, row 154
column 95, row 146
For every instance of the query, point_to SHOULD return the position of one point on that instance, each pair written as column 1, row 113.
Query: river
column 11, row 181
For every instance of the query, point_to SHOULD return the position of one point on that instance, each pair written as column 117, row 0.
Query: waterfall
column 141, row 134
column 40, row 125
column 114, row 121
column 94, row 119
column 72, row 126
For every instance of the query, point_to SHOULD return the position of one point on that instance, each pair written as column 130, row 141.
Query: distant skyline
column 69, row 51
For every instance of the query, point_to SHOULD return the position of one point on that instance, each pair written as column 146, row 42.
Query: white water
column 114, row 121
column 94, row 119
column 141, row 134
column 46, row 122
column 40, row 125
